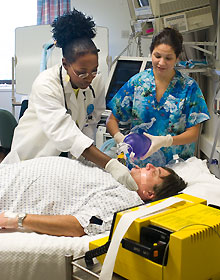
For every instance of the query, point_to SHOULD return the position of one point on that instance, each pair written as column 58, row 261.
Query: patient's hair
column 172, row 184
column 73, row 32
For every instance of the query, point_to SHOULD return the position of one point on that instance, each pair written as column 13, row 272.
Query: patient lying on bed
column 66, row 197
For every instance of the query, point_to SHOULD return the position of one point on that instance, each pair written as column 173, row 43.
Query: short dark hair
column 168, row 36
column 73, row 32
column 172, row 185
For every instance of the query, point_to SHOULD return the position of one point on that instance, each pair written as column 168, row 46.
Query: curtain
column 48, row 10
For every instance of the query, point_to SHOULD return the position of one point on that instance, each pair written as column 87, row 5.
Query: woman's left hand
column 157, row 142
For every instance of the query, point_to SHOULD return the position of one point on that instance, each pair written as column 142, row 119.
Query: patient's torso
column 60, row 186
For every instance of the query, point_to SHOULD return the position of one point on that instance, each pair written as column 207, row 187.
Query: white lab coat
column 46, row 129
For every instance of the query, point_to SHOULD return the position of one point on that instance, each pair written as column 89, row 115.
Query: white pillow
column 201, row 182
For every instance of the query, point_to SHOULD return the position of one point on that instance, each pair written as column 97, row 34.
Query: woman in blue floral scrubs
column 162, row 102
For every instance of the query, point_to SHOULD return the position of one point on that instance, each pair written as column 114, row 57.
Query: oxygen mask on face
column 135, row 145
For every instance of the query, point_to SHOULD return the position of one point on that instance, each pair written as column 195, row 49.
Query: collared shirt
column 182, row 106
column 76, row 91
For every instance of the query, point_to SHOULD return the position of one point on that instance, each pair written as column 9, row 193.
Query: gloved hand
column 157, row 142
column 121, row 173
column 8, row 220
column 119, row 137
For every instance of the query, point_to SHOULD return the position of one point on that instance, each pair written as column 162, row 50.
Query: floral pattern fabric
column 182, row 106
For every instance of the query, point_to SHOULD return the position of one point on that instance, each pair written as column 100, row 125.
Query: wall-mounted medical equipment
column 217, row 102
column 121, row 71
column 180, row 242
column 217, row 105
column 183, row 15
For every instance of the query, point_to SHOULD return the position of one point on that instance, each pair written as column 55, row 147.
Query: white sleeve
column 59, row 127
column 12, row 157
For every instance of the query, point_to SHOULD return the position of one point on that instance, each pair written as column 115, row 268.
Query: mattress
column 33, row 256
column 28, row 255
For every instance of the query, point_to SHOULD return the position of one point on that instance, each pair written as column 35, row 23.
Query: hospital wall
column 213, row 80
column 6, row 99
column 115, row 15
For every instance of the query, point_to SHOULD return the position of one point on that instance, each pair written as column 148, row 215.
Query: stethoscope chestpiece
column 90, row 109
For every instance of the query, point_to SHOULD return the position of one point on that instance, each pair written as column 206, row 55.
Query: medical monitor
column 160, row 8
column 167, row 7
column 122, row 70
column 184, row 15
column 139, row 9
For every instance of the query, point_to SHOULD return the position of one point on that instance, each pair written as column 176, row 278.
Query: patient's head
column 157, row 182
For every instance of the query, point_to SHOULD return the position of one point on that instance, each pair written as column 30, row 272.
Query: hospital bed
column 28, row 255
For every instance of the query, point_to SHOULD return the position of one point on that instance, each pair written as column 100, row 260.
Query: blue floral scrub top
column 181, row 106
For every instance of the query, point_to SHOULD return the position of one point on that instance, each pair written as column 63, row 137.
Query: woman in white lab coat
column 67, row 100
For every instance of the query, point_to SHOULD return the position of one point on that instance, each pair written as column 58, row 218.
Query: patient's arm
column 65, row 225
column 60, row 225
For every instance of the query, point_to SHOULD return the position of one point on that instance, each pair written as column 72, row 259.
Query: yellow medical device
column 179, row 243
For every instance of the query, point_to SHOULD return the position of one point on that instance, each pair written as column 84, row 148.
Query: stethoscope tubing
column 61, row 82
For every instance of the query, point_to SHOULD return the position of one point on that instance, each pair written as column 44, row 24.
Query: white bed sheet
column 201, row 182
column 32, row 256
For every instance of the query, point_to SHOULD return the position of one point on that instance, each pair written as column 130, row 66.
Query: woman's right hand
column 121, row 174
column 157, row 142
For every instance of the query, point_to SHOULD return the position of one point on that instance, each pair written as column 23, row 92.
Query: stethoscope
column 90, row 107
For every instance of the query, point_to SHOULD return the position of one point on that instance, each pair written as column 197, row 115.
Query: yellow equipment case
column 180, row 243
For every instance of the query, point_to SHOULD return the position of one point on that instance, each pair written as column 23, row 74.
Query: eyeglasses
column 84, row 75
